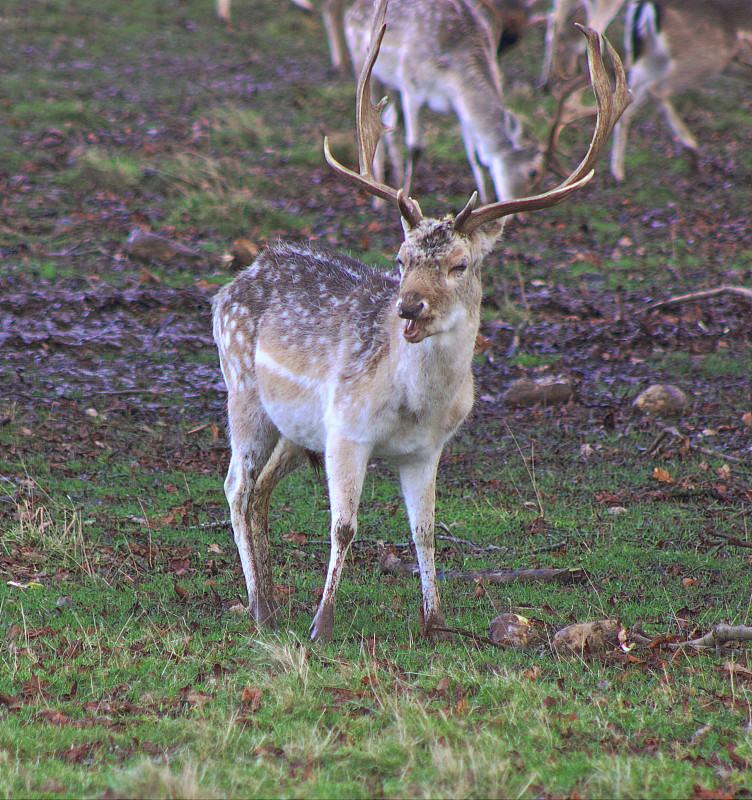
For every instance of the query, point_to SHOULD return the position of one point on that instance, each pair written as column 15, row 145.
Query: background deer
column 563, row 66
column 331, row 14
column 563, row 47
column 673, row 45
column 325, row 357
column 443, row 54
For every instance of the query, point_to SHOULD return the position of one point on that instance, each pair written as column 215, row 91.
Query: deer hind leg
column 419, row 489
column 471, row 148
column 253, row 438
column 346, row 464
column 285, row 458
column 681, row 131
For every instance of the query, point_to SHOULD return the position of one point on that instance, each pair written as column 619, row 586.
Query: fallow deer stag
column 673, row 45
column 443, row 54
column 325, row 356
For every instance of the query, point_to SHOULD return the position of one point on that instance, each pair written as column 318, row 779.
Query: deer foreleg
column 345, row 468
column 419, row 488
column 331, row 12
column 413, row 136
column 223, row 9
column 621, row 133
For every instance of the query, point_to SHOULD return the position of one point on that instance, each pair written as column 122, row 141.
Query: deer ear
column 490, row 233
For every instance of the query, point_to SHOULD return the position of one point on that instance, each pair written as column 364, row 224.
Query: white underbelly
column 293, row 402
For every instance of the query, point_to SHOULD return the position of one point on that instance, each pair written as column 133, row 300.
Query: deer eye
column 458, row 269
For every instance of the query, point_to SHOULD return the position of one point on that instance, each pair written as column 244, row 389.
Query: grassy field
column 127, row 665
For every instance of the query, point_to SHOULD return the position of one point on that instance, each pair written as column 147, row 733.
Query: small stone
column 589, row 637
column 662, row 399
column 551, row 390
column 513, row 630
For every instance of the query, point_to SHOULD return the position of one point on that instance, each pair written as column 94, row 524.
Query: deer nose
column 411, row 305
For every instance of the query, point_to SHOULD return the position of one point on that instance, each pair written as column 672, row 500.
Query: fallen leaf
column 662, row 475
column 198, row 699
column 55, row 717
column 79, row 753
column 52, row 786
column 701, row 793
column 252, row 697
column 736, row 759
column 735, row 669
column 182, row 593
column 296, row 537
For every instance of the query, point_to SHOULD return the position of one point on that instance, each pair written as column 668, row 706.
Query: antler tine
column 370, row 129
column 610, row 105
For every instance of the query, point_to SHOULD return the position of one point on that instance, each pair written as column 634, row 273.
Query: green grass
column 123, row 673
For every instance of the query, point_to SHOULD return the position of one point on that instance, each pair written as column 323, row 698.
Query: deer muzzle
column 414, row 308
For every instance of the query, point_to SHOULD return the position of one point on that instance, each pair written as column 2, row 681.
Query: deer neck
column 431, row 372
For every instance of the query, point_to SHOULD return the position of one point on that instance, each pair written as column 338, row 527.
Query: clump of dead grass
column 52, row 531
column 148, row 780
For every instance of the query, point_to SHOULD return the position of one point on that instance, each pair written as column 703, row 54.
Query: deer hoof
column 430, row 624
column 323, row 624
column 264, row 611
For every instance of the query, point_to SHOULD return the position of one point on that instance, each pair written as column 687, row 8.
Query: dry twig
column 679, row 299
column 720, row 634
column 729, row 538
column 670, row 430
column 469, row 634
column 392, row 563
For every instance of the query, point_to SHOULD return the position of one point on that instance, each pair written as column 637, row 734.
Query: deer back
column 425, row 46
column 678, row 43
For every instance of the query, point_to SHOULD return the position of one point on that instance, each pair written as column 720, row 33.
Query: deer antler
column 610, row 104
column 370, row 129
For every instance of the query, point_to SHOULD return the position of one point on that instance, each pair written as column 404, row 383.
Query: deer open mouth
column 416, row 330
